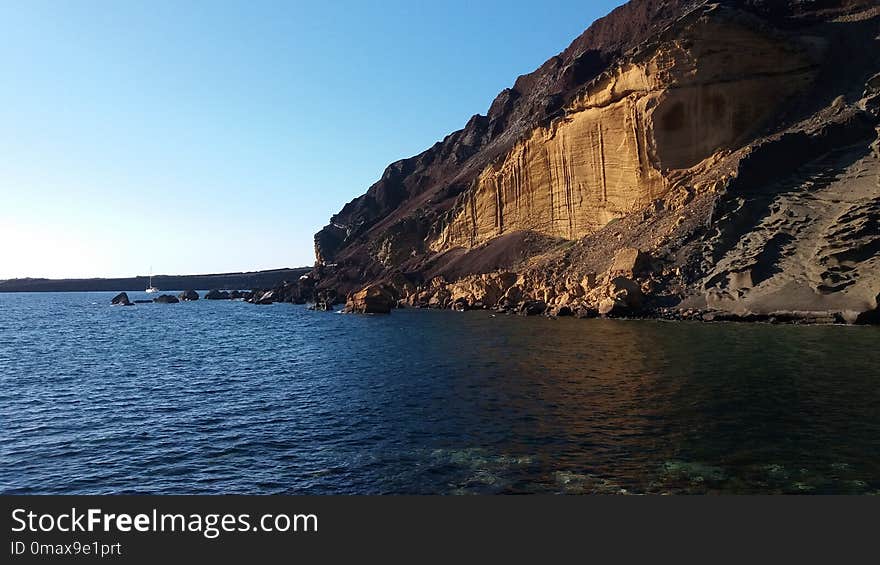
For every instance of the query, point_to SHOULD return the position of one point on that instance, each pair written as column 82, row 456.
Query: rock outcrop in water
column 217, row 295
column 375, row 299
column 188, row 296
column 681, row 158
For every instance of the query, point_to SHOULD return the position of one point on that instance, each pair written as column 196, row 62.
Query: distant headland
column 244, row 280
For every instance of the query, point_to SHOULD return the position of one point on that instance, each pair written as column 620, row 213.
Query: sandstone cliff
column 681, row 156
column 621, row 143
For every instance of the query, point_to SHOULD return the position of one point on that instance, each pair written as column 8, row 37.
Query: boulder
column 585, row 312
column 374, row 299
column 301, row 291
column 872, row 86
column 532, row 308
column 624, row 297
column 440, row 299
column 629, row 261
column 188, row 296
column 588, row 283
column 610, row 307
column 513, row 295
column 564, row 299
column 166, row 299
column 121, row 299
column 327, row 297
column 263, row 298
column 486, row 289
column 324, row 300
column 235, row 295
column 561, row 311
column 872, row 316
column 217, row 295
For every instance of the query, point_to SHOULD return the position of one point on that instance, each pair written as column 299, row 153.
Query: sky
column 202, row 137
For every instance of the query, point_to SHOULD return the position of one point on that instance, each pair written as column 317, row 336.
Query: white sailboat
column 150, row 288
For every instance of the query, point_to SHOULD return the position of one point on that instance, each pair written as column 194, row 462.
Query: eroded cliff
column 681, row 156
column 705, row 86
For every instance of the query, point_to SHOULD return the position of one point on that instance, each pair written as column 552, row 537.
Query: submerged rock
column 121, row 299
column 188, row 296
column 166, row 299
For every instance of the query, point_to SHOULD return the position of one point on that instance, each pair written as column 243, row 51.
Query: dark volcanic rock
column 325, row 300
column 561, row 311
column 532, row 308
column 263, row 297
column 166, row 299
column 121, row 299
column 586, row 313
column 217, row 295
column 188, row 295
column 870, row 316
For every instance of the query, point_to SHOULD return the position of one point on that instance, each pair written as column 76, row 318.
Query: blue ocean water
column 228, row 397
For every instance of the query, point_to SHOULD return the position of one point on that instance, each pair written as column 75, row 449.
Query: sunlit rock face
column 623, row 141
column 421, row 189
column 731, row 148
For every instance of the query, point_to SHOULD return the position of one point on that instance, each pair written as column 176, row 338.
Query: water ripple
column 224, row 397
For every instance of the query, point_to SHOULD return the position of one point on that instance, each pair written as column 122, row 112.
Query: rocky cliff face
column 621, row 143
column 679, row 156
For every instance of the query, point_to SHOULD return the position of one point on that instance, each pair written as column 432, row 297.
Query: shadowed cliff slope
column 678, row 155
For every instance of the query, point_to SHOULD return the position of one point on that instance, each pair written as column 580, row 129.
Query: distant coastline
column 223, row 281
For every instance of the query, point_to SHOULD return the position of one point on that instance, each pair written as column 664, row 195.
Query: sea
column 225, row 397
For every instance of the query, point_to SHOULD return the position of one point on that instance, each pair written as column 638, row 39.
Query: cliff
column 679, row 156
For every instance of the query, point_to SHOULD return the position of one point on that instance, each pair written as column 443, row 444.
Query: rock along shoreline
column 623, row 292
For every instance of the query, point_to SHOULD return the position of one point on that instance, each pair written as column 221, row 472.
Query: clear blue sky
column 200, row 137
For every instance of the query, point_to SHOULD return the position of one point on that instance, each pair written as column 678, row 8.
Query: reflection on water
column 226, row 397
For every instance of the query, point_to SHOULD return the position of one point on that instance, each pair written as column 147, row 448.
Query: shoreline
column 231, row 280
column 788, row 318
